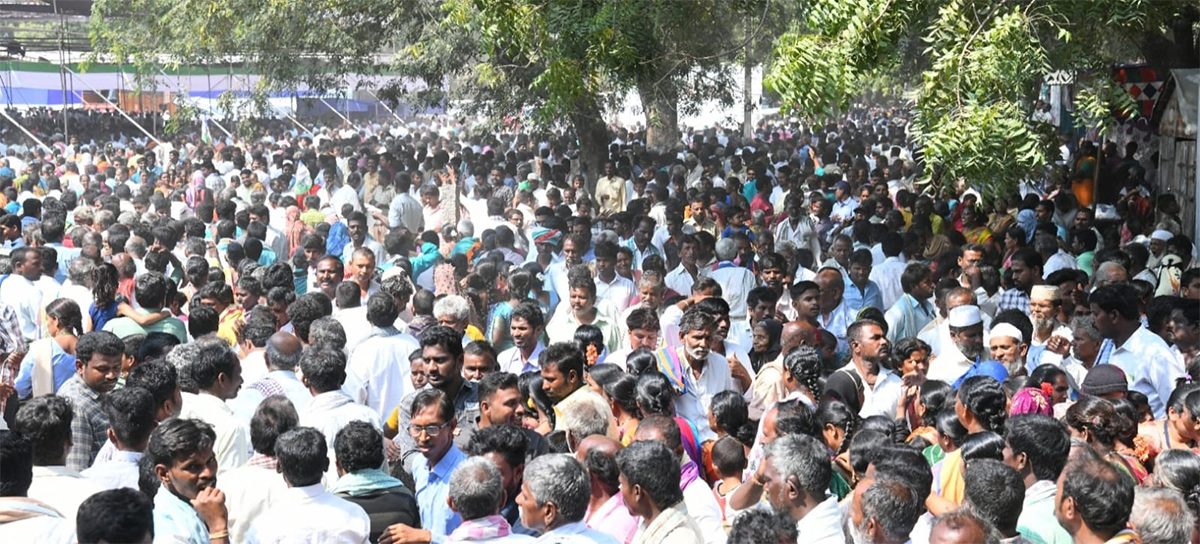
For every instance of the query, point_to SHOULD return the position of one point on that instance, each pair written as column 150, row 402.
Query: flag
column 205, row 134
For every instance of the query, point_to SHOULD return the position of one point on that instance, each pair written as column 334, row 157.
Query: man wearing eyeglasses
column 432, row 428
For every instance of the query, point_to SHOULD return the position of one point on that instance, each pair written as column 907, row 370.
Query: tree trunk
column 593, row 142
column 661, row 105
column 747, row 92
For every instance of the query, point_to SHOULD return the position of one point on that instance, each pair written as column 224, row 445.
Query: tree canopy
column 972, row 69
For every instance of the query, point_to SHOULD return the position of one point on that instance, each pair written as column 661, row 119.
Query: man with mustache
column 703, row 373
column 966, row 332
column 97, row 365
column 882, row 388
column 188, row 507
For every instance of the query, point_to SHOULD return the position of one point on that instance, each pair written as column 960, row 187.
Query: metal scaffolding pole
column 385, row 106
column 110, row 103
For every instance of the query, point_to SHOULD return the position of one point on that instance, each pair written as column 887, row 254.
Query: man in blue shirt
column 432, row 427
column 862, row 292
column 188, row 507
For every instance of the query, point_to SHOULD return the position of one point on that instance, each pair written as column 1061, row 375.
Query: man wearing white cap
column 1008, row 347
column 1051, row 339
column 966, row 331
column 1158, row 246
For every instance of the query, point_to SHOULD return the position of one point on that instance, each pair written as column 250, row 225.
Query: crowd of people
column 435, row 333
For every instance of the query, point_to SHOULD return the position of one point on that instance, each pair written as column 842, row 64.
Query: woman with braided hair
column 802, row 374
column 1096, row 422
column 837, row 424
column 981, row 406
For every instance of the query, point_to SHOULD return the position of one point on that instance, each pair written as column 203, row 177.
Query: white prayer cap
column 532, row 176
column 965, row 316
column 1006, row 329
column 1161, row 235
column 1044, row 292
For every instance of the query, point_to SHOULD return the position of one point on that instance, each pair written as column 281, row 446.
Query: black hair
column 950, row 427
column 214, row 359
column 448, row 339
column 732, row 414
column 16, row 464
column 1117, row 297
column 274, row 416
column 46, row 422
column 102, row 342
column 178, row 438
column 865, row 447
column 935, row 396
column 984, row 397
column 655, row 394
column 507, row 441
column 762, row 525
column 1102, row 494
column 564, row 356
column 652, row 466
column 303, row 456
column 984, row 445
column 433, row 397
column 729, row 456
column 115, row 515
column 639, row 361
column 836, row 413
column 202, row 321
column 995, row 492
column 131, row 412
column 307, row 308
column 154, row 347
column 603, row 467
column 324, row 367
column 358, row 446
column 158, row 377
column 150, row 290
column 794, row 417
column 382, row 310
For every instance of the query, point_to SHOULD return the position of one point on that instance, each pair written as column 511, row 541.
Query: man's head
column 162, row 381
column 358, row 446
column 362, row 266
column 1044, row 305
column 46, row 423
column 885, row 509
column 505, row 447
column 555, row 492
column 499, row 399
column 695, row 327
column 302, row 455
column 995, row 491
column 115, row 515
column 181, row 451
column 562, row 370
column 1115, row 309
column 797, row 474
column 962, row 526
column 526, row 325
column 832, row 286
column 432, row 424
column 274, row 416
column 966, row 330
column 442, row 350
column 1093, row 493
column 323, row 367
column 1161, row 515
column 131, row 412
column 476, row 489
column 98, row 360
column 643, row 326
column 217, row 370
column 649, row 478
column 453, row 311
column 868, row 343
column 27, row 262
column 1026, row 268
column 330, row 272
column 150, row 290
column 283, row 351
column 479, row 360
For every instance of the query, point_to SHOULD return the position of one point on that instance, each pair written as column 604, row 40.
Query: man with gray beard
column 703, row 373
column 1051, row 339
column 966, row 331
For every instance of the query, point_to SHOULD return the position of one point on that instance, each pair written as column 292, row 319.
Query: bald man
column 835, row 315
column 768, row 387
column 962, row 527
column 1108, row 273
column 282, row 355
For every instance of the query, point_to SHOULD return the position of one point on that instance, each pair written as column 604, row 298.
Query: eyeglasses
column 431, row 430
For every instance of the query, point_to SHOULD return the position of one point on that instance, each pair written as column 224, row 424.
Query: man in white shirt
column 131, row 412
column 736, row 281
column 20, row 292
column 404, row 210
column 331, row 408
column 705, row 373
column 377, row 374
column 218, row 374
column 1055, row 258
column 257, row 486
column 882, row 388
column 887, row 274
column 1148, row 363
column 46, row 422
column 619, row 292
column 307, row 512
column 23, row 519
column 525, row 326
column 795, row 464
column 281, row 355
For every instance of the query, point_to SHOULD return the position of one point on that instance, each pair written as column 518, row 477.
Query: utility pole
column 747, row 79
